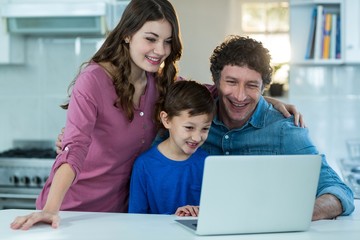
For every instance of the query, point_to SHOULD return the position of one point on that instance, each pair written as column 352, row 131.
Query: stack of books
column 324, row 35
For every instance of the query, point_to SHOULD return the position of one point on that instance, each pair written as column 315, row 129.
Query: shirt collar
column 257, row 120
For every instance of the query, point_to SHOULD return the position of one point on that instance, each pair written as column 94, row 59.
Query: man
column 246, row 124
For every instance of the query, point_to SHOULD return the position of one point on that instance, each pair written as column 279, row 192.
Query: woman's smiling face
column 151, row 45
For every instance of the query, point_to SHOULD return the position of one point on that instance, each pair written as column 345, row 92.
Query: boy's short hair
column 188, row 95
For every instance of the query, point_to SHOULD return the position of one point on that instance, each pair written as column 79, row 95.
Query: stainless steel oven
column 23, row 172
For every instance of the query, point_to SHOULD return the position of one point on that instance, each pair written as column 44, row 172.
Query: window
column 265, row 17
column 268, row 22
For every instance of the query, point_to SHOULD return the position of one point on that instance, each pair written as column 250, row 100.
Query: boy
column 167, row 178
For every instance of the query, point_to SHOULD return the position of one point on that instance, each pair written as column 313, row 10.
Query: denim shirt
column 267, row 132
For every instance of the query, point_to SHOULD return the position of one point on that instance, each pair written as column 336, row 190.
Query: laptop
column 256, row 194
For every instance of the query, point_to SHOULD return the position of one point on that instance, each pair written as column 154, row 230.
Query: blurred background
column 37, row 65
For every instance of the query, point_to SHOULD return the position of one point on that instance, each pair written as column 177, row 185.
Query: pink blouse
column 101, row 144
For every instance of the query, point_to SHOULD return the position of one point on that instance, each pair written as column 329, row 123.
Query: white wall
column 329, row 99
column 204, row 24
column 30, row 94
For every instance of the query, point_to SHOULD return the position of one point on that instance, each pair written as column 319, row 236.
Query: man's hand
column 327, row 206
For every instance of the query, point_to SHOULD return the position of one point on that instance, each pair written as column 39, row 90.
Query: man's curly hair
column 243, row 52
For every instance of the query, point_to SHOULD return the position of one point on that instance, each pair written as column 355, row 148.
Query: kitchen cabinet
column 301, row 12
column 12, row 47
column 352, row 31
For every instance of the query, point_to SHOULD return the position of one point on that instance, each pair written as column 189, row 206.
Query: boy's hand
column 187, row 211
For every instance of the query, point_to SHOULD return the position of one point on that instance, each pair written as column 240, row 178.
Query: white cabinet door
column 351, row 25
column 12, row 49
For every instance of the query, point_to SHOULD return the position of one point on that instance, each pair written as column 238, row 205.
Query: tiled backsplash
column 30, row 93
column 329, row 99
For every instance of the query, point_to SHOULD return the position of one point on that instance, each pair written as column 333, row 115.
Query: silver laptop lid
column 253, row 194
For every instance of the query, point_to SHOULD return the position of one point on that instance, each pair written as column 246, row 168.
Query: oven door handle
column 18, row 196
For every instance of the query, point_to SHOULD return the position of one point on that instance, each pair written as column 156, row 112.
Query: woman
column 110, row 118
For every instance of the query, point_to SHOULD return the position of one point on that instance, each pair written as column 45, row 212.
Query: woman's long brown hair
column 116, row 51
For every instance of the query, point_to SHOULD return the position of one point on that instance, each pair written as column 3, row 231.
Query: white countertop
column 106, row 226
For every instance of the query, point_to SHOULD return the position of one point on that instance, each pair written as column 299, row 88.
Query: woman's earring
column 126, row 40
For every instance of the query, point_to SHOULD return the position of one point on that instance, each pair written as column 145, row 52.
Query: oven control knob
column 14, row 180
column 36, row 180
column 25, row 180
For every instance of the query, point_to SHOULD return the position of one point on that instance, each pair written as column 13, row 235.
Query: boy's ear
column 164, row 119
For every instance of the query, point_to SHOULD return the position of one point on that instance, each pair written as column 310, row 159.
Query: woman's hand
column 58, row 142
column 287, row 110
column 63, row 178
column 26, row 222
column 187, row 211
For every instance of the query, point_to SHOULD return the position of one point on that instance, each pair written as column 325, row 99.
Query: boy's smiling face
column 187, row 133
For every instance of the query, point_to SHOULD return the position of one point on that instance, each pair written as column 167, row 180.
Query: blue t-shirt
column 160, row 185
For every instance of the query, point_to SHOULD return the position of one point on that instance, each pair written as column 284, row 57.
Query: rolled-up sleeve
column 81, row 119
column 330, row 183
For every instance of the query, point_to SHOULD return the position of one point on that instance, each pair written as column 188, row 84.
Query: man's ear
column 165, row 119
column 263, row 89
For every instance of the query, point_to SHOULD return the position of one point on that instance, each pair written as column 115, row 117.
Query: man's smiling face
column 239, row 89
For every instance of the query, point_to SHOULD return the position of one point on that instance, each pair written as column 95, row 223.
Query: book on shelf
column 311, row 40
column 333, row 36
column 324, row 34
column 319, row 32
column 338, row 38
